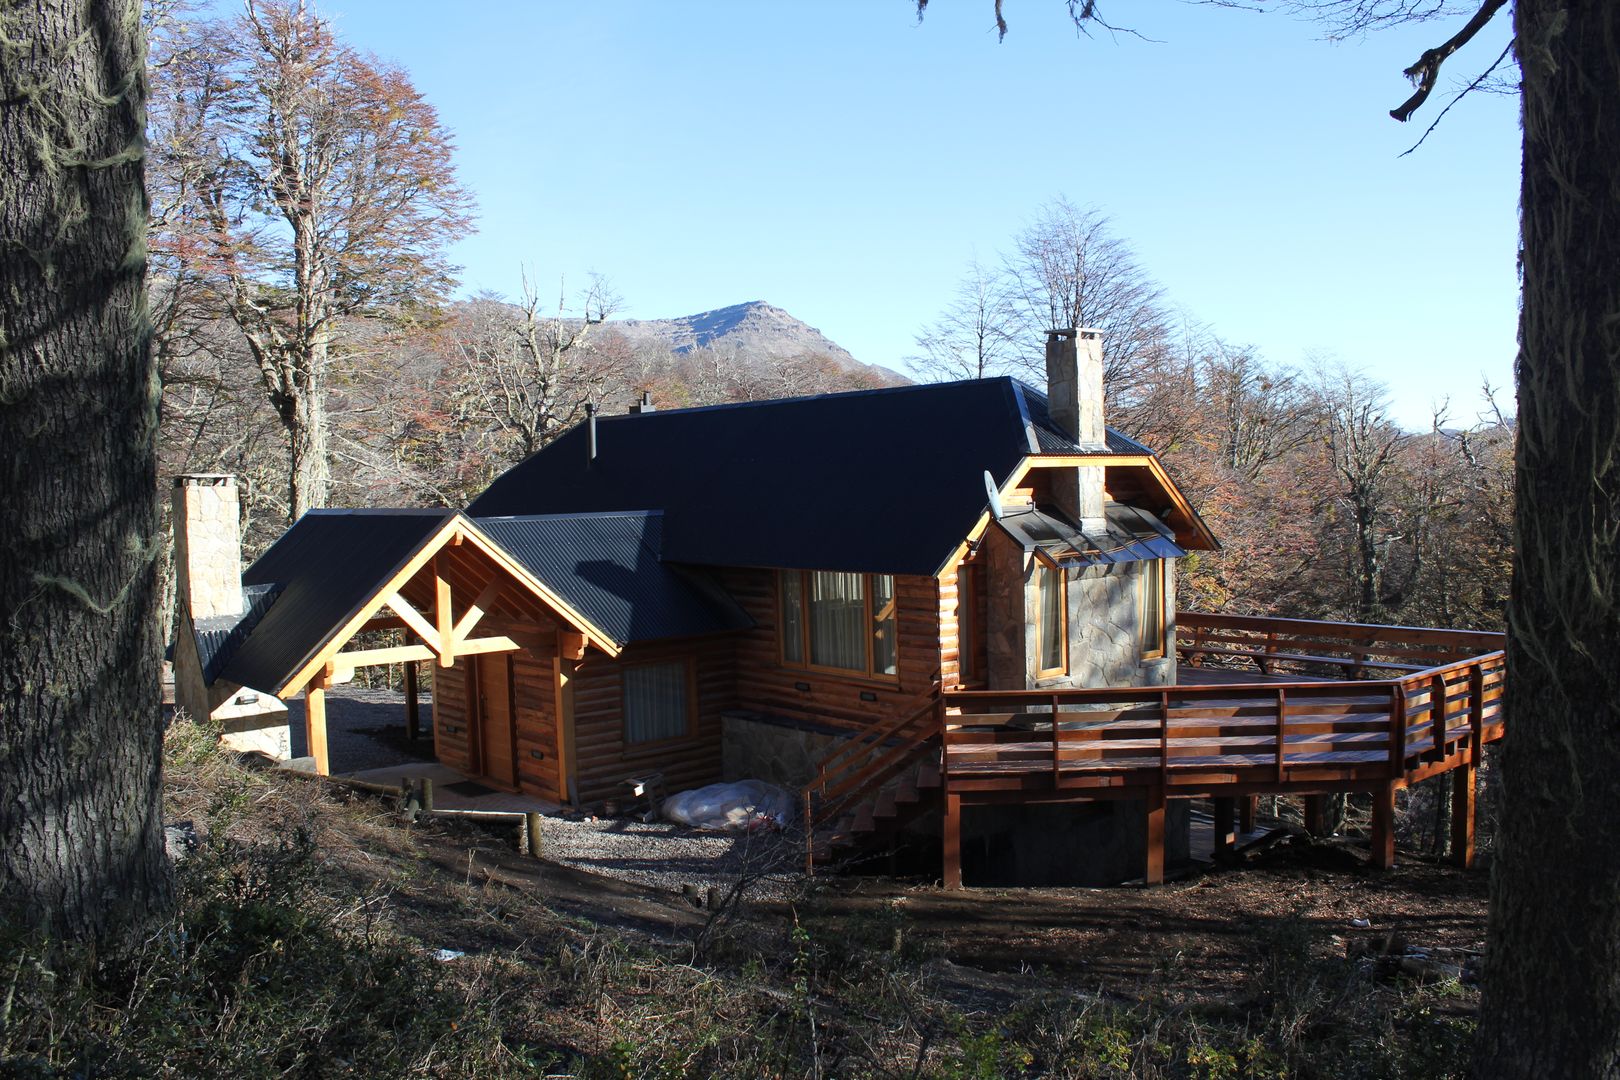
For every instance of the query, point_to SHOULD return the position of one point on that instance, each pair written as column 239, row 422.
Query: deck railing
column 866, row 761
column 1262, row 735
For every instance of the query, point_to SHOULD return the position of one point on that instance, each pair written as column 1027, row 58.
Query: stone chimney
column 207, row 545
column 643, row 405
column 1074, row 396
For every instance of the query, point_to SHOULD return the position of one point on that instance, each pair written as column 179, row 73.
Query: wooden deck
column 1408, row 704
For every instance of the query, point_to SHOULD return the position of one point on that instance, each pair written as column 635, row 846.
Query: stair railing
column 849, row 773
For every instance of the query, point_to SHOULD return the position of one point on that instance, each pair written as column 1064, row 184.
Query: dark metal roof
column 606, row 566
column 886, row 481
column 218, row 638
column 1130, row 535
column 326, row 566
column 1050, row 440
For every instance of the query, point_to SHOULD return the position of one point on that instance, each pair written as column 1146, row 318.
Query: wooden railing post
column 1282, row 715
column 1476, row 711
column 1397, row 730
column 809, row 835
column 1164, row 739
column 1057, row 758
column 1437, row 717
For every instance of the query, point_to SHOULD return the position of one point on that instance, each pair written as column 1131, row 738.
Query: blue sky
column 841, row 161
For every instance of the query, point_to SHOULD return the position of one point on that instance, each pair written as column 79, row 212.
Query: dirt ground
column 1193, row 938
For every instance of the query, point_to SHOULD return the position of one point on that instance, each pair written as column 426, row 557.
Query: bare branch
column 1427, row 68
column 1460, row 95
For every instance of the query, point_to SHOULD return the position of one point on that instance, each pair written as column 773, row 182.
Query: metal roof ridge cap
column 1030, row 437
column 568, row 516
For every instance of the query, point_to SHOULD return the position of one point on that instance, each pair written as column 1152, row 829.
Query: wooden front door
column 496, row 737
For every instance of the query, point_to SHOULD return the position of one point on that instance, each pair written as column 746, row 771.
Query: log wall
column 765, row 684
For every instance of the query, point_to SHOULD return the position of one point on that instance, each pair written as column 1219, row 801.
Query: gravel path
column 664, row 855
column 365, row 729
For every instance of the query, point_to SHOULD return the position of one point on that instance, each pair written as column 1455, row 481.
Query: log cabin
column 949, row 606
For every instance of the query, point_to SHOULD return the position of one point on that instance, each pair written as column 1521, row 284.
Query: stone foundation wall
column 777, row 750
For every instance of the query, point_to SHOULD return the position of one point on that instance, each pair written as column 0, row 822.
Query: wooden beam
column 1464, row 787
column 413, row 619
column 315, row 721
column 441, row 612
column 480, row 606
column 484, row 645
column 413, row 707
column 562, row 688
column 571, row 645
column 953, row 841
column 1248, row 810
column 1153, row 871
column 1383, row 827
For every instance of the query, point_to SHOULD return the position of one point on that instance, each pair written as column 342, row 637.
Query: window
column 1153, row 621
column 1052, row 626
column 843, row 622
column 657, row 702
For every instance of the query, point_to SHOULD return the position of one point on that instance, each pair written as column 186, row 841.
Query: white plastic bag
column 746, row 804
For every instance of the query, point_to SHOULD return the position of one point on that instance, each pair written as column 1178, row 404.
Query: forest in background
column 308, row 341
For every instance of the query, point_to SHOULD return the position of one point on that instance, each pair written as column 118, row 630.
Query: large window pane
column 1153, row 621
column 655, row 702
column 883, row 625
column 837, row 621
column 1053, row 646
column 792, row 617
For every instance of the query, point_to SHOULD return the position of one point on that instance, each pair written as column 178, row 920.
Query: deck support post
column 1153, row 872
column 1225, row 826
column 413, row 711
column 1383, row 827
column 315, row 723
column 953, row 841
column 1248, row 810
column 1464, row 786
column 1316, row 815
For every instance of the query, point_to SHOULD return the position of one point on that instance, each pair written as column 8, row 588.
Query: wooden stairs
column 880, row 780
column 874, row 823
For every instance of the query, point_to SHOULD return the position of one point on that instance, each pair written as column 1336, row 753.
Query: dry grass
column 304, row 938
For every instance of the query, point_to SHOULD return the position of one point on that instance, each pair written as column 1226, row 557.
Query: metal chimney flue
column 590, row 433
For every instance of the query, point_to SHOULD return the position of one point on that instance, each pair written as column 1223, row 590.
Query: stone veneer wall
column 774, row 749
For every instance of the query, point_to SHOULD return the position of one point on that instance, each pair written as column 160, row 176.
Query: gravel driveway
column 365, row 729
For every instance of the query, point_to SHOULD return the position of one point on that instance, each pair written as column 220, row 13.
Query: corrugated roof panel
column 886, row 481
column 326, row 565
column 1130, row 535
column 607, row 567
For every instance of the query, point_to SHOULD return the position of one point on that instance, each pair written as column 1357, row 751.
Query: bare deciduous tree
column 975, row 336
column 303, row 182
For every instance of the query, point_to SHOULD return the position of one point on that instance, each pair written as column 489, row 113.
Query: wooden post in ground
column 953, row 841
column 1248, row 810
column 1225, row 832
column 413, row 713
column 1464, row 786
column 1316, row 815
column 1383, row 827
column 315, row 723
column 531, row 828
column 1153, row 872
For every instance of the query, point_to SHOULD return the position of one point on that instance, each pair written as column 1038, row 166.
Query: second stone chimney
column 644, row 404
column 1074, row 399
column 208, row 545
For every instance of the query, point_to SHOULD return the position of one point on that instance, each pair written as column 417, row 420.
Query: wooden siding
column 765, row 684
column 535, row 714
column 602, row 759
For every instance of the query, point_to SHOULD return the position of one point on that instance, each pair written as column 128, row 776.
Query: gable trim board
column 456, row 528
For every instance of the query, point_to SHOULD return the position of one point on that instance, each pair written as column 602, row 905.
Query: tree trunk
column 310, row 484
column 1552, row 981
column 81, row 840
